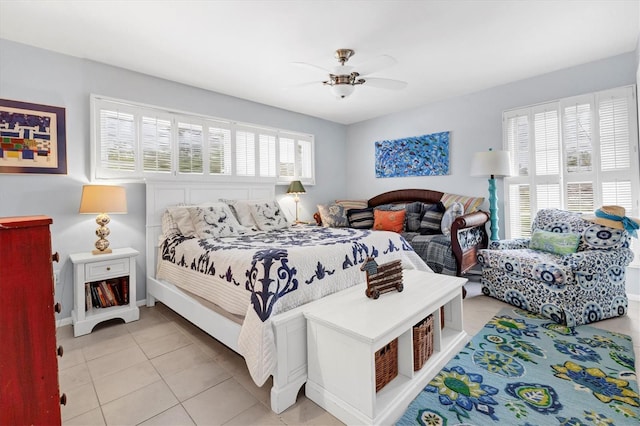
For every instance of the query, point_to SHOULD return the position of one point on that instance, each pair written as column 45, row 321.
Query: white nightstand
column 104, row 288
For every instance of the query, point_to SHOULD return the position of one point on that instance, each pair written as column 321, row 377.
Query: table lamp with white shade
column 102, row 200
column 492, row 163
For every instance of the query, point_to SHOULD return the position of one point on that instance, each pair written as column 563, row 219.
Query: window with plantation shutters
column 219, row 140
column 134, row 142
column 287, row 157
column 267, row 146
column 577, row 154
column 117, row 133
column 190, row 142
column 156, row 144
column 245, row 153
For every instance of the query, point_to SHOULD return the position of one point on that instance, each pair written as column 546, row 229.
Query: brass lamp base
column 105, row 251
column 102, row 245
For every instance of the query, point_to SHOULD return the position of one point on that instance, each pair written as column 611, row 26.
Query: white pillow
column 268, row 215
column 455, row 210
column 242, row 211
column 214, row 221
column 182, row 218
column 169, row 226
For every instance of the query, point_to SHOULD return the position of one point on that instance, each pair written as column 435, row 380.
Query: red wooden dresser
column 29, row 392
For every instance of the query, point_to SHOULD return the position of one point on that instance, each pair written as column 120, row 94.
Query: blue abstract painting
column 426, row 155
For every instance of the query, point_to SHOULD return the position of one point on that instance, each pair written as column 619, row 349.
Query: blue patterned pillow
column 268, row 215
column 214, row 221
column 559, row 243
column 333, row 215
column 360, row 218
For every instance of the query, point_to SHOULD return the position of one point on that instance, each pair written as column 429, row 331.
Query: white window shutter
column 117, row 150
column 190, row 146
column 245, row 153
column 219, row 140
column 156, row 144
column 267, row 144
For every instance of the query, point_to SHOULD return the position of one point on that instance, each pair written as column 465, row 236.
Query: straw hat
column 614, row 217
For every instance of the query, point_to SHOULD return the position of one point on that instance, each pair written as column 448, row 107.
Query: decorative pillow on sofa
column 214, row 221
column 431, row 218
column 455, row 210
column 352, row 204
column 268, row 215
column 471, row 204
column 333, row 215
column 414, row 216
column 389, row 220
column 559, row 243
column 360, row 218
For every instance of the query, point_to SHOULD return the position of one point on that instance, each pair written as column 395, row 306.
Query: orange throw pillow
column 388, row 220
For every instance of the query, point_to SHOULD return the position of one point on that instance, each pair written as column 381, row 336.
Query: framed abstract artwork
column 426, row 155
column 32, row 138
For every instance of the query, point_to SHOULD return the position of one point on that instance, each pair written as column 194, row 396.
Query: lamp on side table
column 296, row 188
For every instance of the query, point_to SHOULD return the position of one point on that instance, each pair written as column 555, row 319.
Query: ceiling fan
column 343, row 78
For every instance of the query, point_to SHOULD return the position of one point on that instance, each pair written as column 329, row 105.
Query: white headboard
column 161, row 195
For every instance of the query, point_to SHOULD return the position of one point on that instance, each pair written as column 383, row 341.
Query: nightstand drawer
column 109, row 268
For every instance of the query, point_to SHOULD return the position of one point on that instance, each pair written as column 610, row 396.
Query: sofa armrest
column 513, row 244
column 468, row 235
column 598, row 260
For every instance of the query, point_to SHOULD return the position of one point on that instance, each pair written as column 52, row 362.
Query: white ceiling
column 246, row 48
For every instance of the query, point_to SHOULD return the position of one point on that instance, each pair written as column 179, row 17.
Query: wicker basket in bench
column 422, row 342
column 386, row 360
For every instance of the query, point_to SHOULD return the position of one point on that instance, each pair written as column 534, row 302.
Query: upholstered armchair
column 571, row 270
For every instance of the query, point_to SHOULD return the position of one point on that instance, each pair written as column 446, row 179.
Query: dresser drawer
column 107, row 269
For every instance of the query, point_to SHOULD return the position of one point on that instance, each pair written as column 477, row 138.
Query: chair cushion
column 539, row 265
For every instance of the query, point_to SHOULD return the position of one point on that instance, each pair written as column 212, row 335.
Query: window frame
column 597, row 177
column 140, row 111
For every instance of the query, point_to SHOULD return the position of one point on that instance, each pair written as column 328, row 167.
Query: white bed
column 283, row 351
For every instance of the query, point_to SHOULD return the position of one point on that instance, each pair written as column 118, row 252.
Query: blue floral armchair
column 572, row 289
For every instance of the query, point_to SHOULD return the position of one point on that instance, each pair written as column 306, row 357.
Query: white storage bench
column 345, row 330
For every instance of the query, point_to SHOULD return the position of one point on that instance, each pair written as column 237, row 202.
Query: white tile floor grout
column 161, row 370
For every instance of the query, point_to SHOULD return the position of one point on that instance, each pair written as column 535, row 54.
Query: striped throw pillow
column 360, row 218
column 471, row 204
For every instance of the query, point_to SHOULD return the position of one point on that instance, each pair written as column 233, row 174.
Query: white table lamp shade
column 488, row 163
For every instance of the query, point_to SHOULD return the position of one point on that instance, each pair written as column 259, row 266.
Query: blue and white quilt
column 260, row 275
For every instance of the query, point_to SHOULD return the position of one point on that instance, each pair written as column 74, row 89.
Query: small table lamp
column 295, row 188
column 100, row 200
column 492, row 163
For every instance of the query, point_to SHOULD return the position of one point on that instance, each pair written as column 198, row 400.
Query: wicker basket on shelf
column 422, row 342
column 386, row 360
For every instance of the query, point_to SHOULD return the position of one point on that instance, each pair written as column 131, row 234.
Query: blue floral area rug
column 523, row 369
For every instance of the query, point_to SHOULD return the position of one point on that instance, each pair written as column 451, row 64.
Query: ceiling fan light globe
column 342, row 91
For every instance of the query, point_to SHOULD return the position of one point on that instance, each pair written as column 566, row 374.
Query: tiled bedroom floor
column 161, row 370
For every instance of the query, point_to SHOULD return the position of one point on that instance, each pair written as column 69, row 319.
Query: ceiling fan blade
column 311, row 66
column 375, row 64
column 385, row 83
column 305, row 84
